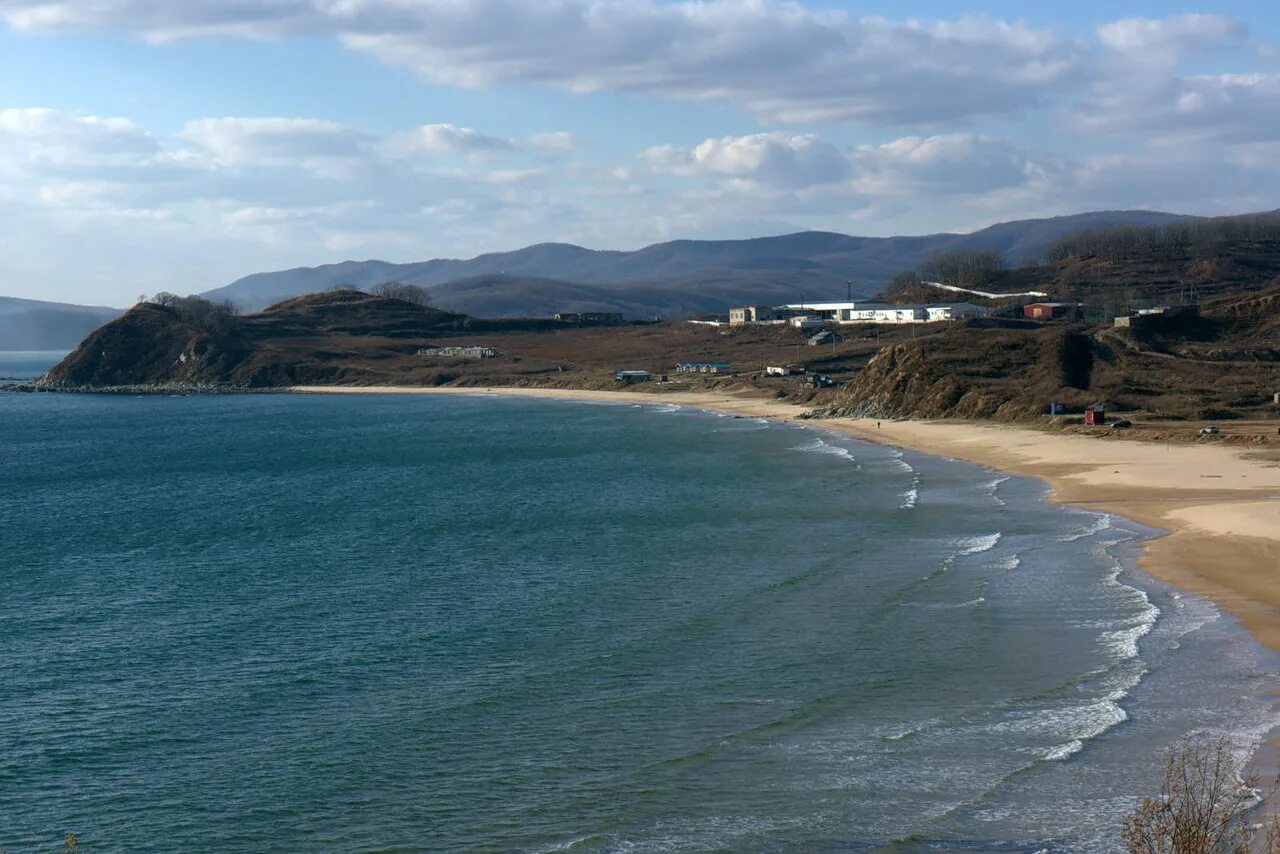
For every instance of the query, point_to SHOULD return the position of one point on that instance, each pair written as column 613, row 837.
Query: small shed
column 1096, row 416
column 1050, row 310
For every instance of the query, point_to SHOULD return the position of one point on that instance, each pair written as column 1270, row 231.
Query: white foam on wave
column 948, row 606
column 567, row 845
column 665, row 408
column 902, row 732
column 965, row 547
column 900, row 462
column 993, row 489
column 1123, row 641
column 978, row 545
column 1076, row 724
column 820, row 446
column 1064, row 751
column 910, row 497
column 1099, row 523
column 1010, row 563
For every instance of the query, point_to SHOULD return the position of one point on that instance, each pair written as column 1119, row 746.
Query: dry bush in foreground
column 1205, row 806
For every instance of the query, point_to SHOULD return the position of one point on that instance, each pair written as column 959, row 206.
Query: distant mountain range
column 674, row 279
column 35, row 325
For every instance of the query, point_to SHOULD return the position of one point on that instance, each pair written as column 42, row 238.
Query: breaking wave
column 1099, row 523
column 993, row 490
column 821, row 446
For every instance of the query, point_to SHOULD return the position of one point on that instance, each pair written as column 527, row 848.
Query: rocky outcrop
column 149, row 345
column 1006, row 374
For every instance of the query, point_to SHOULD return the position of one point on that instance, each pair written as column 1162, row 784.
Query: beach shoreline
column 1219, row 509
column 1216, row 510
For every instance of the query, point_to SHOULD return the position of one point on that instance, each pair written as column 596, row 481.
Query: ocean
column 414, row 623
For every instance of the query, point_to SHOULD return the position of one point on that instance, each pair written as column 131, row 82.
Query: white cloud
column 227, row 196
column 554, row 144
column 1142, row 91
column 235, row 141
column 60, row 140
column 944, row 164
column 448, row 139
column 1227, row 108
column 1170, row 41
column 776, row 59
column 941, row 165
column 165, row 20
column 792, row 160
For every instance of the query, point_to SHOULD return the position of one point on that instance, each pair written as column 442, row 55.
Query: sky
column 151, row 145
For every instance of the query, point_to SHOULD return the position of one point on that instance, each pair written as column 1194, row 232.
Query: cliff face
column 973, row 372
column 148, row 345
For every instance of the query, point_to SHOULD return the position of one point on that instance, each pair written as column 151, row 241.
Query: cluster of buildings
column 629, row 377
column 591, row 318
column 459, row 353
column 1147, row 316
column 811, row 315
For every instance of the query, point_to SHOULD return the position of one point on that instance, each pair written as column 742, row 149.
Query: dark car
column 1122, row 424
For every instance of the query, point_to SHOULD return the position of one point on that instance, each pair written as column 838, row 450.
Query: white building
column 955, row 311
column 752, row 314
column 873, row 312
column 806, row 321
column 823, row 310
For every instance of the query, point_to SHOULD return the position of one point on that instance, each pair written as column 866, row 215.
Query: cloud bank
column 864, row 124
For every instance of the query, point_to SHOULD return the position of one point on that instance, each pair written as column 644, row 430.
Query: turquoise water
column 254, row 623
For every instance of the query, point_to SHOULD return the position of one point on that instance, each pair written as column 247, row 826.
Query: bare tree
column 1201, row 238
column 400, row 291
column 1203, row 806
column 216, row 318
column 961, row 267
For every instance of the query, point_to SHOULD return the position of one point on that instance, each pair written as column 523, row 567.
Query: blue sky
column 148, row 145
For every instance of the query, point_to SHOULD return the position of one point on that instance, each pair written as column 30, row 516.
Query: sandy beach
column 1220, row 506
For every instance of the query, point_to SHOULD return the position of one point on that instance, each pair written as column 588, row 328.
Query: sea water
column 414, row 623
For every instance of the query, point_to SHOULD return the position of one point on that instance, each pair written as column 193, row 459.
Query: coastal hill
column 671, row 279
column 354, row 338
column 326, row 338
column 1223, row 365
column 1217, row 360
column 37, row 325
